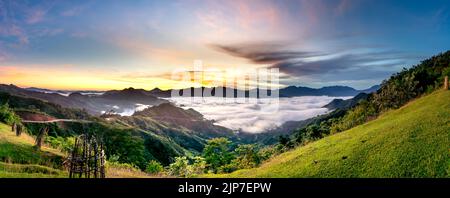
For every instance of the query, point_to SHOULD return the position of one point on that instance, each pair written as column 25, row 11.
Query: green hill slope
column 19, row 159
column 412, row 141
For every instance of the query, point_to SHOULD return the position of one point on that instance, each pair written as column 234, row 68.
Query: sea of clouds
column 256, row 117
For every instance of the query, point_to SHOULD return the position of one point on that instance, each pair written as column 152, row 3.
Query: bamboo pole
column 446, row 83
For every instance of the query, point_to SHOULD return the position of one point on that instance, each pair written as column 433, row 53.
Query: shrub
column 64, row 144
column 247, row 156
column 356, row 116
column 199, row 165
column 180, row 167
column 7, row 115
column 154, row 167
column 267, row 152
column 123, row 166
column 228, row 168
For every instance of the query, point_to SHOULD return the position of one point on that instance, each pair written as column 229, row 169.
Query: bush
column 199, row 165
column 123, row 166
column 267, row 152
column 180, row 167
column 154, row 167
column 64, row 144
column 356, row 116
column 247, row 156
column 7, row 115
column 228, row 168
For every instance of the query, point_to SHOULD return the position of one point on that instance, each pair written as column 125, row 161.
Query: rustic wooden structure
column 87, row 158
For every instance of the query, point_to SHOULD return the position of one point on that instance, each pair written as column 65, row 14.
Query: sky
column 108, row 44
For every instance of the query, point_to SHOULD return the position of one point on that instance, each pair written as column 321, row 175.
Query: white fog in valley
column 256, row 118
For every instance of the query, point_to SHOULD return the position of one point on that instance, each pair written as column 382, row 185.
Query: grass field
column 18, row 158
column 412, row 141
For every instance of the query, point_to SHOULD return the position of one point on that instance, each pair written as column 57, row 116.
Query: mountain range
column 96, row 104
column 290, row 91
column 125, row 101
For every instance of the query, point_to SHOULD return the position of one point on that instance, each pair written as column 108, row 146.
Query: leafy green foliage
column 199, row 165
column 220, row 158
column 160, row 150
column 284, row 143
column 247, row 156
column 154, row 167
column 184, row 167
column 362, row 113
column 61, row 143
column 180, row 167
column 217, row 153
column 7, row 115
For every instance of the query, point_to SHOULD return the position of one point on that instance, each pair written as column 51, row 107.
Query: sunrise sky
column 99, row 44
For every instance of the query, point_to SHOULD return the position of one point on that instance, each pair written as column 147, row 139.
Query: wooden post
column 88, row 158
column 13, row 128
column 19, row 130
column 95, row 160
column 446, row 83
column 40, row 138
column 102, row 161
column 72, row 159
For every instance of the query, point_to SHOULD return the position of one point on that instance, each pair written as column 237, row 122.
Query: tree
column 217, row 153
column 7, row 115
column 285, row 142
column 199, row 165
column 247, row 156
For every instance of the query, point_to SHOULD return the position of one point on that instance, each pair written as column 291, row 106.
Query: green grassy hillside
column 19, row 159
column 412, row 141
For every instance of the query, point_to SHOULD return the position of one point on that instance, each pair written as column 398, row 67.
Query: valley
column 343, row 134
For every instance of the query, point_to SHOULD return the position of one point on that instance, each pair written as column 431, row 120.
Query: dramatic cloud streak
column 263, row 53
column 304, row 63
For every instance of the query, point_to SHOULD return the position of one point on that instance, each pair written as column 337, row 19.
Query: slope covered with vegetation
column 412, row 141
column 393, row 93
column 18, row 158
column 133, row 140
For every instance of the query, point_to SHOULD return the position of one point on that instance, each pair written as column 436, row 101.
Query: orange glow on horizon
column 68, row 78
